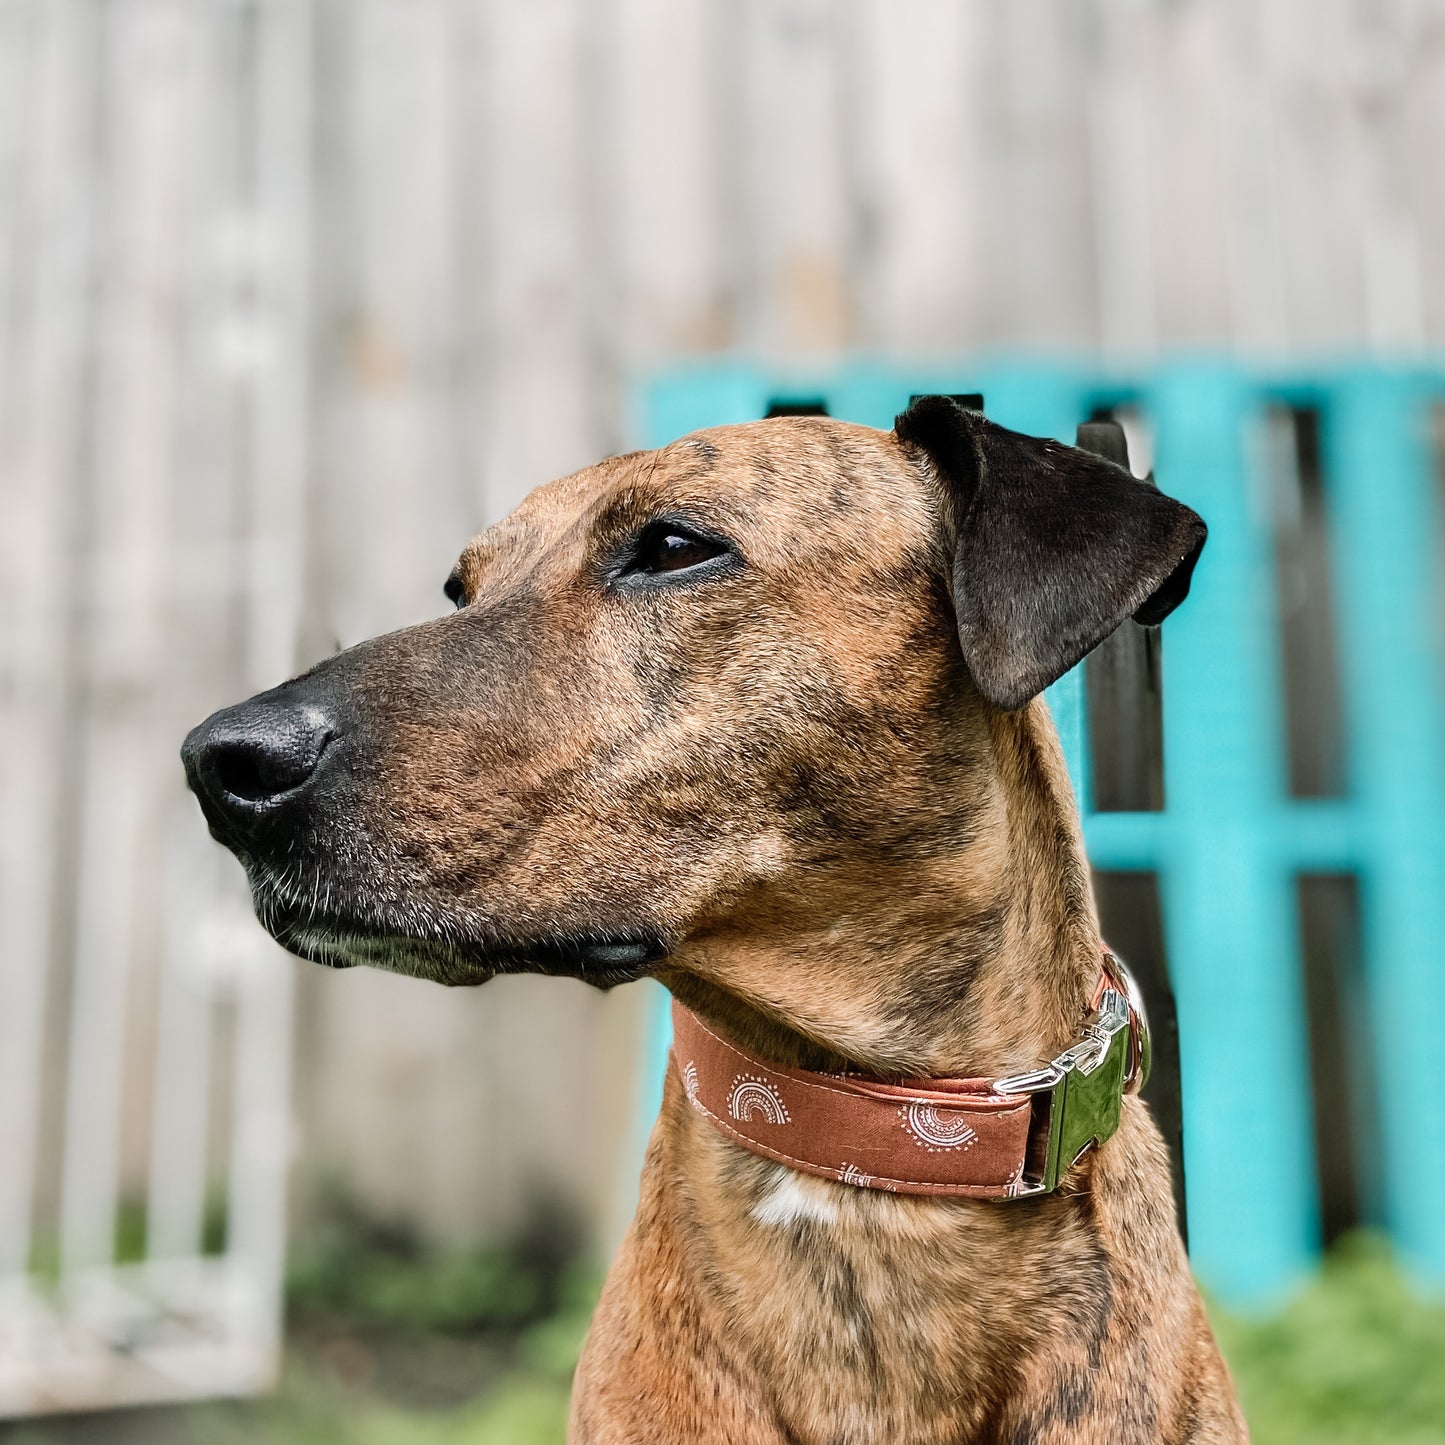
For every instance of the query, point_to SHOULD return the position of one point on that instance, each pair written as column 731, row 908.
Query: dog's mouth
column 413, row 940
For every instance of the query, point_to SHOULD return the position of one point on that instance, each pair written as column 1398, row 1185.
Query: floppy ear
column 1053, row 547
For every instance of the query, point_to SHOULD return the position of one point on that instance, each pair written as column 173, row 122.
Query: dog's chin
column 336, row 945
column 448, row 954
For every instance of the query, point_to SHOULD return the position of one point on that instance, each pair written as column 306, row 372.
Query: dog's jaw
column 340, row 932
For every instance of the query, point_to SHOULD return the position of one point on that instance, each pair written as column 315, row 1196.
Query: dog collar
column 1007, row 1138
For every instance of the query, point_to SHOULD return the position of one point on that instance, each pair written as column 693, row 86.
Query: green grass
column 447, row 1291
column 1357, row 1358
column 492, row 1338
column 128, row 1244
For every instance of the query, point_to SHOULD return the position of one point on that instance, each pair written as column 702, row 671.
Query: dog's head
column 749, row 675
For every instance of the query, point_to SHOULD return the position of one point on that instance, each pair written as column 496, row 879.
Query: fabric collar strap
column 975, row 1138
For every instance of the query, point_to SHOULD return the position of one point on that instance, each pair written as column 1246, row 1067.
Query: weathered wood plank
column 46, row 205
column 661, row 197
column 1260, row 317
column 1186, row 74
column 140, row 146
column 1122, row 162
column 1042, row 288
column 919, row 175
column 1424, row 102
column 796, row 177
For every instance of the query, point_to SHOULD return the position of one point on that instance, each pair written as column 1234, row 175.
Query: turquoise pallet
column 1231, row 841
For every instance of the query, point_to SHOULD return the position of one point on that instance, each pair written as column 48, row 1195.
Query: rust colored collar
column 975, row 1138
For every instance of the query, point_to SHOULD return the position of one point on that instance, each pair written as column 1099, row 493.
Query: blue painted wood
column 1386, row 538
column 1231, row 841
column 1228, row 905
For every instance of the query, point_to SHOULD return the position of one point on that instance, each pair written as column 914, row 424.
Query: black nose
column 246, row 762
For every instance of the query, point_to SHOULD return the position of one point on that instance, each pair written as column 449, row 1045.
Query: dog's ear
column 1053, row 547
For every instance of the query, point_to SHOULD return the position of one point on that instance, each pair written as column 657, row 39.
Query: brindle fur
column 783, row 781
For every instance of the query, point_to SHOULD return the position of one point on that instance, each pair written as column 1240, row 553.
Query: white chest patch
column 794, row 1197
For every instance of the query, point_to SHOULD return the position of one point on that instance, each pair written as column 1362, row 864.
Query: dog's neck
column 875, row 1317
column 978, row 958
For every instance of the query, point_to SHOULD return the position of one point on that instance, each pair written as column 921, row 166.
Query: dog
column 758, row 714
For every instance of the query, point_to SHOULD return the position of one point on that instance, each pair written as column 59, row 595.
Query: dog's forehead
column 772, row 483
column 807, row 467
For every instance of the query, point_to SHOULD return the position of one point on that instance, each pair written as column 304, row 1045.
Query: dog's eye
column 665, row 547
column 456, row 592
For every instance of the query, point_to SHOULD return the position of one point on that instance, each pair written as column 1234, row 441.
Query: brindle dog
column 757, row 714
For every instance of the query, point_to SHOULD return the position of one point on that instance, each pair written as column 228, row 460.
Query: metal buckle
column 1078, row 1096
column 1141, row 1049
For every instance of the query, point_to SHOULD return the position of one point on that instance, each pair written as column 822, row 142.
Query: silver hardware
column 1084, row 1057
column 1083, row 1096
column 1142, row 1055
column 1034, row 1083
